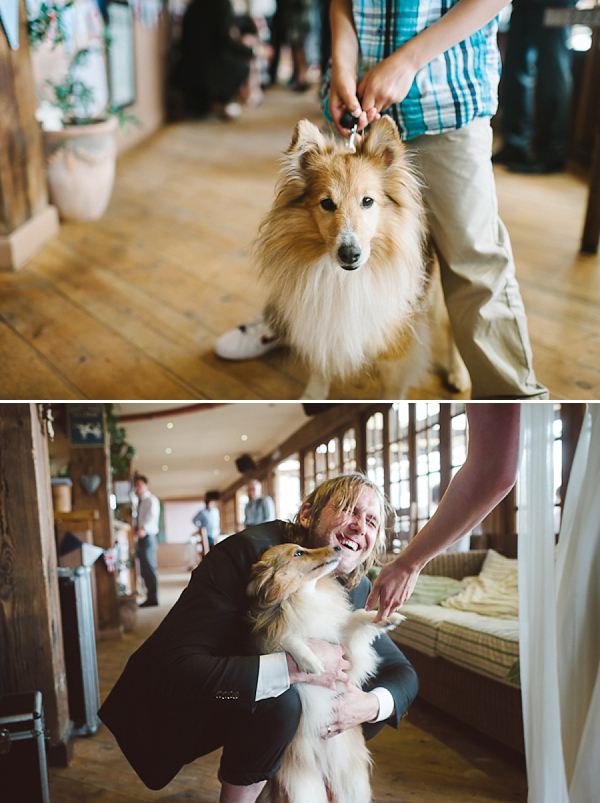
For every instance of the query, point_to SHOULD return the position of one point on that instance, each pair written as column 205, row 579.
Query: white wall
column 178, row 520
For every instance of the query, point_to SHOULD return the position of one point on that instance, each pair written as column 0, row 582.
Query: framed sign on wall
column 121, row 62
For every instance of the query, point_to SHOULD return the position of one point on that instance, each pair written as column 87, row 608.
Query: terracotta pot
column 80, row 168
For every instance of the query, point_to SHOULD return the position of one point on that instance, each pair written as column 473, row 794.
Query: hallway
column 129, row 307
column 425, row 761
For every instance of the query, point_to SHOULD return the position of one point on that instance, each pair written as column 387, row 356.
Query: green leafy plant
column 72, row 96
column 49, row 22
column 121, row 452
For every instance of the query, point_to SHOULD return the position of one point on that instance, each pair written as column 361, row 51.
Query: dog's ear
column 264, row 585
column 382, row 142
column 306, row 142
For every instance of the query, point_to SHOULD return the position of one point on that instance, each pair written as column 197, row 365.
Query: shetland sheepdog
column 294, row 599
column 345, row 259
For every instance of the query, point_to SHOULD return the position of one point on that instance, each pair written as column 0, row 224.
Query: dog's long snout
column 349, row 255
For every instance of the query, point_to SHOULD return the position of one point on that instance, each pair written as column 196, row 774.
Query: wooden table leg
column 591, row 228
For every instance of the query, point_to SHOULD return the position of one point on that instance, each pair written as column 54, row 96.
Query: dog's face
column 286, row 568
column 347, row 193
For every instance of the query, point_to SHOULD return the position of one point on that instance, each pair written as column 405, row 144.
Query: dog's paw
column 312, row 666
column 391, row 621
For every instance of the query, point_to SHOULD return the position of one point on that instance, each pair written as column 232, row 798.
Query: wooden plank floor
column 129, row 307
column 425, row 761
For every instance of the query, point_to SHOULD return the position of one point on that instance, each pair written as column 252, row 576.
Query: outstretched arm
column 488, row 474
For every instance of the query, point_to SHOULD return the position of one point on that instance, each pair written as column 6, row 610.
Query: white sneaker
column 248, row 341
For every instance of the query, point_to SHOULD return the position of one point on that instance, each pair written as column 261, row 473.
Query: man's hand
column 335, row 665
column 352, row 707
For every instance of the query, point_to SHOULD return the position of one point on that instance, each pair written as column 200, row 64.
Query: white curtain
column 559, row 613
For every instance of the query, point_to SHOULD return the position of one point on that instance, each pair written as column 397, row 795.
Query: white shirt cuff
column 273, row 676
column 386, row 703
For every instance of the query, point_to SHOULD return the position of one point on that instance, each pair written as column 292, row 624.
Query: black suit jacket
column 200, row 661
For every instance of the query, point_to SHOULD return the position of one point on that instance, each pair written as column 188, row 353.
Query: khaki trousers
column 477, row 266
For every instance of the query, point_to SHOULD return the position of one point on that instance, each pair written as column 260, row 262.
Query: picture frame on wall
column 121, row 61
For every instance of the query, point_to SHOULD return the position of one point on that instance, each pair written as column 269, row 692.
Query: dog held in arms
column 346, row 261
column 295, row 599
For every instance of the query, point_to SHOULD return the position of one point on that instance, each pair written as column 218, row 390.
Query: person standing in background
column 209, row 519
column 259, row 508
column 535, row 91
column 146, row 526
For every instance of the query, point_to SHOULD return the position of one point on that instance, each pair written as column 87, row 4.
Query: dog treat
column 348, row 121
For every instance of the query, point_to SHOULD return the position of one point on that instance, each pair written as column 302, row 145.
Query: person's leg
column 240, row 794
column 478, row 272
column 553, row 95
column 517, row 87
column 253, row 749
column 146, row 549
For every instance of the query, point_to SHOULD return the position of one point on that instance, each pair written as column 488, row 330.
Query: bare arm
column 389, row 81
column 488, row 474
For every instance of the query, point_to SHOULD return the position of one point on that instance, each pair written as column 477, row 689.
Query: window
column 375, row 470
column 321, row 463
column 309, row 473
column 427, row 445
column 400, row 496
column 333, row 458
column 349, row 451
column 428, row 460
column 287, row 487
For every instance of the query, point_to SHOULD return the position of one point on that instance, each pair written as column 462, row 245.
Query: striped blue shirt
column 449, row 92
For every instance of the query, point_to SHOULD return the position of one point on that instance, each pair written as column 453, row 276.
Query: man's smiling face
column 354, row 530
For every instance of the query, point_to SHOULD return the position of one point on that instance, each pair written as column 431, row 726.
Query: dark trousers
column 145, row 549
column 536, row 84
column 252, row 742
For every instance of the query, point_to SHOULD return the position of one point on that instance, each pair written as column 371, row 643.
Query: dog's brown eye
column 328, row 205
column 298, row 553
column 367, row 202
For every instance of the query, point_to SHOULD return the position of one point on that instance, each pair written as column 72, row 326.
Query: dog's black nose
column 337, row 548
column 349, row 256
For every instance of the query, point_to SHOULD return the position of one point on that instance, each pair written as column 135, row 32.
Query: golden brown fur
column 294, row 599
column 343, row 254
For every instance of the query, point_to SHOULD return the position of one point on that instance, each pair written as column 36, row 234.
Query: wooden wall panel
column 30, row 624
column 23, row 190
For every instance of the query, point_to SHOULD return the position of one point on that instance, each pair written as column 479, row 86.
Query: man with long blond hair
column 198, row 684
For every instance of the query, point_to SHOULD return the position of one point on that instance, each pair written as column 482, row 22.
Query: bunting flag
column 9, row 15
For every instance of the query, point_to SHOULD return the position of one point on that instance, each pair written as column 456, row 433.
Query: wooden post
column 89, row 461
column 27, row 222
column 30, row 623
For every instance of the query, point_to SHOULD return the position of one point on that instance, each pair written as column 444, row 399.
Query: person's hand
column 335, row 666
column 352, row 707
column 393, row 586
column 387, row 82
column 343, row 97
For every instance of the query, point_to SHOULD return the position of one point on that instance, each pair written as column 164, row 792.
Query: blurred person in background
column 259, row 508
column 291, row 26
column 214, row 63
column 535, row 94
column 146, row 525
column 208, row 518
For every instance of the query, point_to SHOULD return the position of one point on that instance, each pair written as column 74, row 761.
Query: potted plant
column 80, row 144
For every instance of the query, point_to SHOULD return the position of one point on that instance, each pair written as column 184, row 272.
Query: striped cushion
column 491, row 649
column 431, row 590
column 480, row 643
